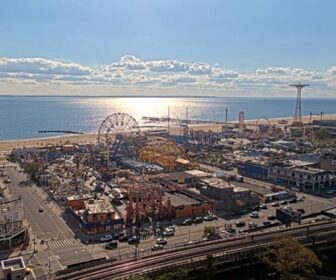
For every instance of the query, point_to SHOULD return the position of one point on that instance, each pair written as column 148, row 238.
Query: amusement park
column 187, row 180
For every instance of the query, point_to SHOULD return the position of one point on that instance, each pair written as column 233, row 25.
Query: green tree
column 323, row 134
column 209, row 230
column 292, row 260
column 32, row 169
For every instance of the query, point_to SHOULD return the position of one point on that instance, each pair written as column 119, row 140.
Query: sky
column 175, row 47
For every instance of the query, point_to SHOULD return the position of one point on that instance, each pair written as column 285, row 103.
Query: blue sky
column 240, row 36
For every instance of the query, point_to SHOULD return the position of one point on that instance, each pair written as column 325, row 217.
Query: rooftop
column 13, row 264
column 198, row 173
column 218, row 183
column 240, row 189
column 178, row 199
column 98, row 207
column 313, row 171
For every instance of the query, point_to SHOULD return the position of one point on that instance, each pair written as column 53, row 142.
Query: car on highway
column 157, row 247
column 187, row 222
column 254, row 214
column 240, row 224
column 276, row 204
column 134, row 240
column 263, row 206
column 106, row 238
column 161, row 241
column 198, row 220
column 111, row 245
column 271, row 217
column 40, row 209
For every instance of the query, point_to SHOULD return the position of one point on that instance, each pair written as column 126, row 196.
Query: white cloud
column 134, row 74
column 167, row 66
column 42, row 66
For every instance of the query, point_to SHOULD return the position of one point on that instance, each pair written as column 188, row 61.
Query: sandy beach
column 6, row 146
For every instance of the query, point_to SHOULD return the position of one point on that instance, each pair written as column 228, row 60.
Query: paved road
column 46, row 225
column 62, row 249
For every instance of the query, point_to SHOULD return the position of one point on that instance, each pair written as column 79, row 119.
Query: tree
column 292, row 260
column 32, row 169
column 209, row 230
column 323, row 134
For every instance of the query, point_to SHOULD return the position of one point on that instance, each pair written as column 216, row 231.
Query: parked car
column 168, row 232
column 292, row 200
column 252, row 225
column 254, row 215
column 300, row 199
column 187, row 222
column 255, row 208
column 210, row 217
column 134, row 240
column 124, row 238
column 284, row 202
column 106, row 238
column 331, row 192
column 171, row 228
column 111, row 245
column 161, row 241
column 40, row 210
column 301, row 210
column 157, row 247
column 271, row 217
column 240, row 223
column 263, row 206
column 198, row 220
column 276, row 204
column 7, row 181
column 243, row 212
column 266, row 223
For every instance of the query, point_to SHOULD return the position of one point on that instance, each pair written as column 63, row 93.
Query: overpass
column 223, row 251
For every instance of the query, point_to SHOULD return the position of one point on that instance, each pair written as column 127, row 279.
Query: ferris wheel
column 117, row 124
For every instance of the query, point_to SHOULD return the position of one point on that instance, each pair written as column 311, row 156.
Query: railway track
column 119, row 270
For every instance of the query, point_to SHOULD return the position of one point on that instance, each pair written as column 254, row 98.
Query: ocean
column 21, row 117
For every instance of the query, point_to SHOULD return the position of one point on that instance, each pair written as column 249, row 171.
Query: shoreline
column 8, row 145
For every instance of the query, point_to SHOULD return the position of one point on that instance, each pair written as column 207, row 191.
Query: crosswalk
column 71, row 242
